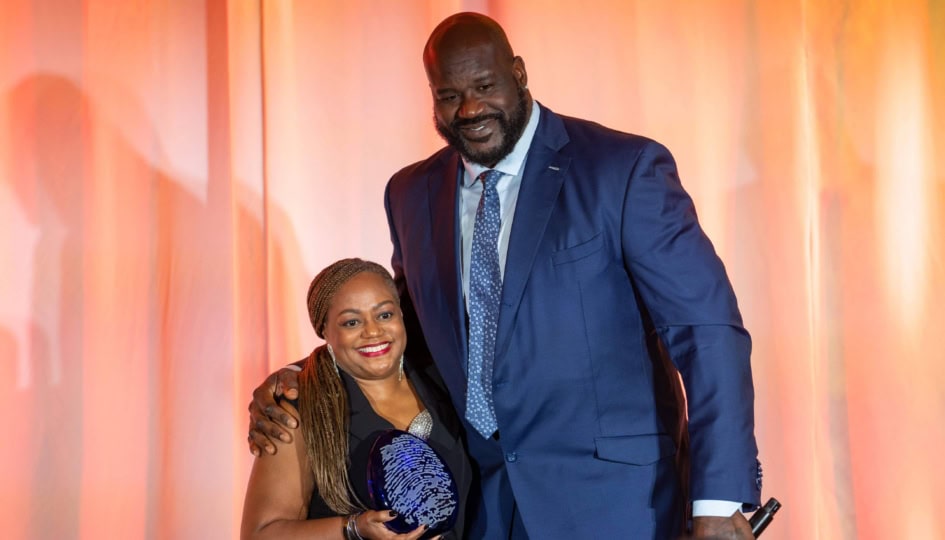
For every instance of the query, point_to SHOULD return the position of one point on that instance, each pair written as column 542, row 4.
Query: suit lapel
column 544, row 173
column 438, row 407
column 363, row 422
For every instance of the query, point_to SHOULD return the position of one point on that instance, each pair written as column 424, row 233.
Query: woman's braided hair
column 323, row 402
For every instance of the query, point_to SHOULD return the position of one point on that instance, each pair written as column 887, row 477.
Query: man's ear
column 518, row 70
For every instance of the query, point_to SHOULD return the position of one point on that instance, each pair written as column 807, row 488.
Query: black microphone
column 763, row 516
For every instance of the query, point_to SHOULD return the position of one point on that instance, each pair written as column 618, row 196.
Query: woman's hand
column 370, row 525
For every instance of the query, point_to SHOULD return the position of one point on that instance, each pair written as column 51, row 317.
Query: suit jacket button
column 511, row 457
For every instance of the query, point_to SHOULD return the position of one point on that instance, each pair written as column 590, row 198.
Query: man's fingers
column 278, row 414
column 718, row 528
column 289, row 382
column 257, row 441
column 264, row 407
column 271, row 430
column 253, row 447
column 261, row 443
column 266, row 415
column 263, row 395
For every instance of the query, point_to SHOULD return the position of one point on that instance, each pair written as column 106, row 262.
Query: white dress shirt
column 512, row 166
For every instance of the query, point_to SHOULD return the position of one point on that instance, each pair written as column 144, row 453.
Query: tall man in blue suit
column 560, row 277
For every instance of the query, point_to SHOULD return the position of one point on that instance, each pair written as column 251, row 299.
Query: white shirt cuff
column 714, row 508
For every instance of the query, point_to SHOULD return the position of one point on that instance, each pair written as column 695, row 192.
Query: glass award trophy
column 407, row 476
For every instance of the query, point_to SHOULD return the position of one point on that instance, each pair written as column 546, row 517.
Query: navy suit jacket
column 607, row 271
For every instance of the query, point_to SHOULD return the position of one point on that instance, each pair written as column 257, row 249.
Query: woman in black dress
column 351, row 389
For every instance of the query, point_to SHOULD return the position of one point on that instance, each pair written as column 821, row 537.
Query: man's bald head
column 463, row 30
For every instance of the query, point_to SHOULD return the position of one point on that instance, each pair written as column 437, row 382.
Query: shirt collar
column 511, row 164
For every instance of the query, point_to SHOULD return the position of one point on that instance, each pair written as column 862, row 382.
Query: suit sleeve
column 688, row 296
column 416, row 345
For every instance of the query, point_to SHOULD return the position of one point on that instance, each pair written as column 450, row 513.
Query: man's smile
column 478, row 132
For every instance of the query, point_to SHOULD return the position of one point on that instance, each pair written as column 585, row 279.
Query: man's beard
column 510, row 129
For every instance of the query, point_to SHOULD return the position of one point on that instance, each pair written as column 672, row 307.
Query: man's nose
column 470, row 108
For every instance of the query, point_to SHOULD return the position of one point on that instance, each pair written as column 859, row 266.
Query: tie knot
column 490, row 178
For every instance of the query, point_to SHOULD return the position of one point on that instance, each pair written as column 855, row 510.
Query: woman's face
column 365, row 327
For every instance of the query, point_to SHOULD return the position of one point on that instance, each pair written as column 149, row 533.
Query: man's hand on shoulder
column 266, row 418
column 735, row 527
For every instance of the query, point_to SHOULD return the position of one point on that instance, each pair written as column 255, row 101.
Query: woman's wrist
column 351, row 527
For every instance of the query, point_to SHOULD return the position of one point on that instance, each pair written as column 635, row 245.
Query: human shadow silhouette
column 147, row 301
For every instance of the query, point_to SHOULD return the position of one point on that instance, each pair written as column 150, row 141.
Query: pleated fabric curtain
column 172, row 175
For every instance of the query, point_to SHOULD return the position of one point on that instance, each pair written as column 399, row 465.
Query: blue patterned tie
column 485, row 289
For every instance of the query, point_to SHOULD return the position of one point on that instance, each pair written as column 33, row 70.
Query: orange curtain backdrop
column 172, row 174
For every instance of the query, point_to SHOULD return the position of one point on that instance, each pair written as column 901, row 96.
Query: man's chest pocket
column 581, row 260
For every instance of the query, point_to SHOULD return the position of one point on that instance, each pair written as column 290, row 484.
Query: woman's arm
column 278, row 495
column 277, row 499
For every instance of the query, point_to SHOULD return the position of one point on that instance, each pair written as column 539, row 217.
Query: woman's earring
column 400, row 375
column 331, row 353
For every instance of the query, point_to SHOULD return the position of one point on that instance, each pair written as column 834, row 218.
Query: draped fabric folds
column 172, row 174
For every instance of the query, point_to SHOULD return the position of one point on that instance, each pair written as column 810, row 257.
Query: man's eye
column 447, row 98
column 485, row 87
